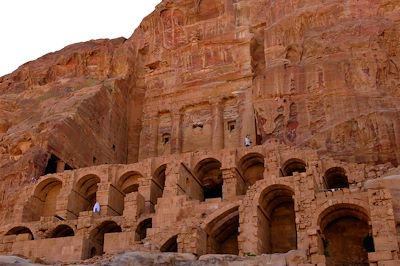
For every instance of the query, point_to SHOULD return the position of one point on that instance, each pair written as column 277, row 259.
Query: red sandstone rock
column 201, row 75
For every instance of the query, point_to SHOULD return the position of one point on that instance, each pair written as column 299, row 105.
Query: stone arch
column 171, row 245
column 157, row 184
column 126, row 183
column 208, row 171
column 141, row 229
column 293, row 165
column 129, row 182
column 61, row 230
column 336, row 177
column 324, row 209
column 345, row 235
column 252, row 168
column 276, row 220
column 44, row 200
column 19, row 230
column 96, row 237
column 86, row 189
column 222, row 230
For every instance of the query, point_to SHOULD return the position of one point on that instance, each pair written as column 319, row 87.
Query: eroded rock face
column 65, row 106
column 316, row 73
column 202, row 74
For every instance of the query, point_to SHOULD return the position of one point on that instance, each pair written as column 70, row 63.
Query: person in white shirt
column 247, row 141
column 96, row 207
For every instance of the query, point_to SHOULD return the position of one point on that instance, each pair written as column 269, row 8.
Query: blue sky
column 32, row 28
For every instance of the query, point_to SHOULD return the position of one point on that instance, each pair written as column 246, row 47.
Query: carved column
column 246, row 109
column 176, row 131
column 149, row 137
column 217, row 123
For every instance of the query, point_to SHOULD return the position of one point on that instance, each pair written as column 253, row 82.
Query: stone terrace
column 248, row 201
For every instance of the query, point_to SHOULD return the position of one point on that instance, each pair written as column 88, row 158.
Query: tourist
column 247, row 141
column 96, row 207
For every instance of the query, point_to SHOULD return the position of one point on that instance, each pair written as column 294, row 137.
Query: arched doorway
column 19, row 230
column 62, row 230
column 171, row 245
column 96, row 237
column 223, row 232
column 346, row 237
column 335, row 177
column 86, row 187
column 276, row 220
column 208, row 172
column 127, row 183
column 293, row 165
column 141, row 230
column 252, row 168
column 44, row 200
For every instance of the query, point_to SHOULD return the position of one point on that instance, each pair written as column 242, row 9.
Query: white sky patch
column 32, row 28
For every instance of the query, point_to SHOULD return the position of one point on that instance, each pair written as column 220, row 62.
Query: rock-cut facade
column 152, row 128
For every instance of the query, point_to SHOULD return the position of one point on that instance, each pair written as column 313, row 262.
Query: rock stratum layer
column 201, row 75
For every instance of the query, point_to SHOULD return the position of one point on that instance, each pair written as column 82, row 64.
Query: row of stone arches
column 83, row 194
column 275, row 226
column 62, row 230
column 95, row 236
column 344, row 231
column 207, row 175
column 251, row 168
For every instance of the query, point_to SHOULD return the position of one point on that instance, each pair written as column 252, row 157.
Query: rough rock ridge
column 180, row 259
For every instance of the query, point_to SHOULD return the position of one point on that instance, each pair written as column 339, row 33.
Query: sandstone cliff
column 319, row 73
column 66, row 105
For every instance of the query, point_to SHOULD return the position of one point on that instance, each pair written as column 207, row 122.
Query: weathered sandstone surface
column 146, row 259
column 200, row 75
column 66, row 104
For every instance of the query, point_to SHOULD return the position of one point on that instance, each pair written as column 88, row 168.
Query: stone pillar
column 305, row 208
column 271, row 165
column 172, row 173
column 383, row 228
column 248, row 239
column 217, row 123
column 60, row 166
column 62, row 206
column 145, row 186
column 134, row 206
column 246, row 109
column 233, row 183
column 192, row 240
column 106, row 195
column 176, row 131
